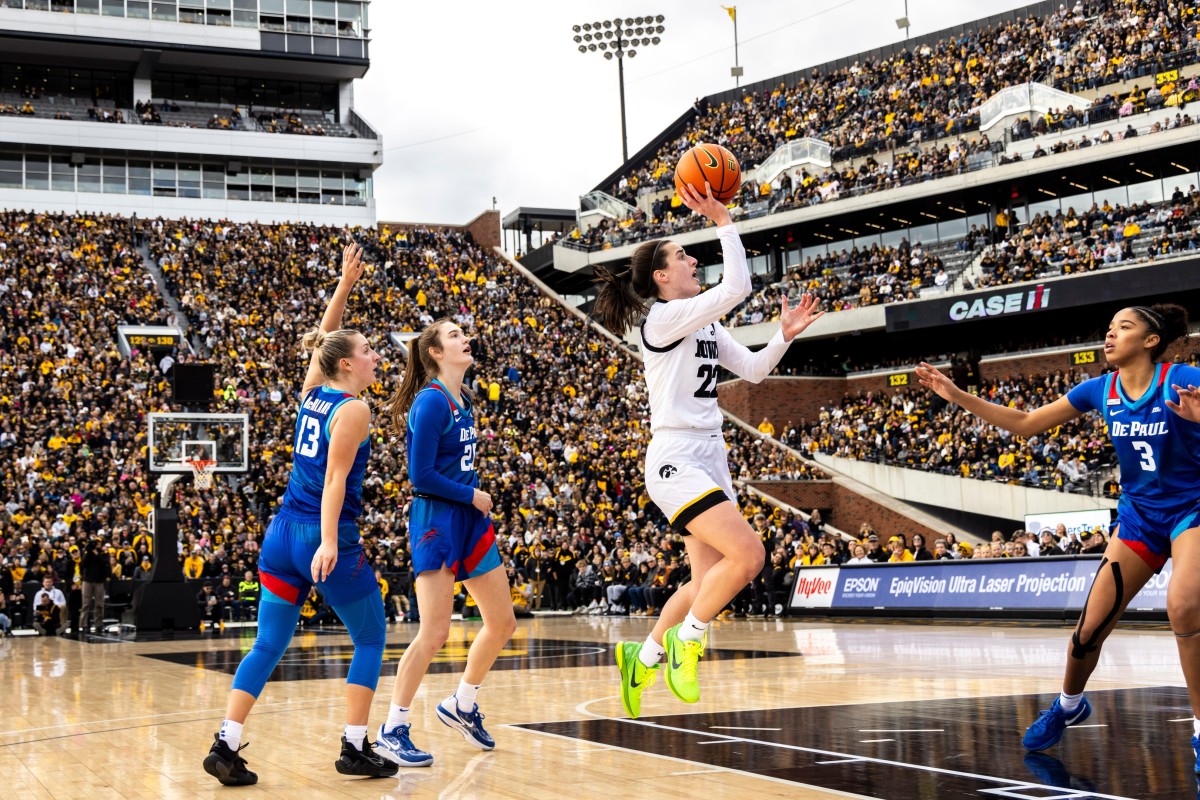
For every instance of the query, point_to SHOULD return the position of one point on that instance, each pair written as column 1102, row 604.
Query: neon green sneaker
column 635, row 676
column 682, row 658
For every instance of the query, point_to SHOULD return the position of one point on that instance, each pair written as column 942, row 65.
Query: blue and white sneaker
column 468, row 723
column 395, row 745
column 1049, row 727
column 1196, row 750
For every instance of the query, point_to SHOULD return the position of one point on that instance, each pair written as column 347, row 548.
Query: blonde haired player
column 687, row 472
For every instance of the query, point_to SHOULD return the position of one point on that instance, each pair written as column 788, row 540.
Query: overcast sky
column 478, row 99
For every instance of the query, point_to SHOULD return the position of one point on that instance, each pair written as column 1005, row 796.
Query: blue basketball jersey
column 310, row 457
column 1158, row 451
column 441, row 445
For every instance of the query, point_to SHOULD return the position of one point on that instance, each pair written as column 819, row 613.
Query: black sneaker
column 227, row 766
column 365, row 763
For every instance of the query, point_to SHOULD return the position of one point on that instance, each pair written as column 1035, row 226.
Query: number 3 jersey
column 683, row 343
column 1159, row 451
column 441, row 445
column 310, row 457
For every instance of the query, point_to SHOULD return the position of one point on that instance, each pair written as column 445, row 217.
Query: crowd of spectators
column 72, row 439
column 898, row 105
column 850, row 279
column 561, row 411
column 567, row 482
column 917, row 430
column 291, row 122
column 1102, row 235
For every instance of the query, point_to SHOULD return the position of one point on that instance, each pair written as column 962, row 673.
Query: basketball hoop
column 202, row 472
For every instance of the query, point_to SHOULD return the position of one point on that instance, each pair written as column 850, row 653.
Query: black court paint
column 316, row 660
column 963, row 748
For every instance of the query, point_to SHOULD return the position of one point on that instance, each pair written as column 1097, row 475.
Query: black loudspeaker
column 193, row 383
column 233, row 168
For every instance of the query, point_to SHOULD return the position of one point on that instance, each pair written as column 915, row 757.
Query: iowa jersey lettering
column 706, row 349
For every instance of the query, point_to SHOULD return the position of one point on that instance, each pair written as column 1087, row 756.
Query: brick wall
column 782, row 399
column 845, row 508
column 1046, row 364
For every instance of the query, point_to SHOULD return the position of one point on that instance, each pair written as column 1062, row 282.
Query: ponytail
column 620, row 301
column 1168, row 320
column 422, row 368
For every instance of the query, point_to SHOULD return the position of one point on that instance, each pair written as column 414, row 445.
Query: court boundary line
column 1014, row 783
column 713, row 767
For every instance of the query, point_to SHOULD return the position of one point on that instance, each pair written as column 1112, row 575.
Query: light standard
column 619, row 38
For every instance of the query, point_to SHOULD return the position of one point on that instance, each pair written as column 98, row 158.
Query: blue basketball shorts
column 285, row 563
column 453, row 535
column 1149, row 532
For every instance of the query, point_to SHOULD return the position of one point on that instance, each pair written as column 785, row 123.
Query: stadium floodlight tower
column 619, row 38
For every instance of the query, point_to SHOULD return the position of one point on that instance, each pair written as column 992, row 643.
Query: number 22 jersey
column 683, row 344
column 1159, row 451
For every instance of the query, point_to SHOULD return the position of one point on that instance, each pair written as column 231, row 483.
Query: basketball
column 712, row 163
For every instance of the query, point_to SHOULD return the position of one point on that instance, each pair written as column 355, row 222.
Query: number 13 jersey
column 1159, row 452
column 310, row 458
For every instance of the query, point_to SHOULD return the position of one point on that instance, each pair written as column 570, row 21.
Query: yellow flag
column 732, row 12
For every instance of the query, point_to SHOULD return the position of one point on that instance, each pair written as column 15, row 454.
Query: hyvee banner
column 1159, row 279
column 1051, row 584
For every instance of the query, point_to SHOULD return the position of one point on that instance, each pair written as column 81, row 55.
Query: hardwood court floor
column 790, row 709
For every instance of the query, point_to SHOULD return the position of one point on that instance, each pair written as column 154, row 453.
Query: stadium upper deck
column 200, row 97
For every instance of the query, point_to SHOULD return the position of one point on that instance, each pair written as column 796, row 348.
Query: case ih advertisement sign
column 1156, row 280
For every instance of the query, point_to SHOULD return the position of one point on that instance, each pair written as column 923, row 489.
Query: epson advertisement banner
column 1159, row 279
column 1051, row 584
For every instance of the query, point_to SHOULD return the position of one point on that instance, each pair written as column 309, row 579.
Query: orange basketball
column 712, row 163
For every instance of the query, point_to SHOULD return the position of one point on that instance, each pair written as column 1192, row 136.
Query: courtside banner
column 814, row 587
column 1146, row 280
column 1031, row 584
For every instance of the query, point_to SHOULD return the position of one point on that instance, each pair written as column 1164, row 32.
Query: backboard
column 224, row 438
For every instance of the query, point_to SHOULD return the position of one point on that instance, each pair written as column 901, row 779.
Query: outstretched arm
column 1022, row 423
column 331, row 320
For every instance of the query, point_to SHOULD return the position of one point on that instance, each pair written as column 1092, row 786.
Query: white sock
column 651, row 653
column 396, row 716
column 1069, row 702
column 466, row 695
column 231, row 734
column 356, row 735
column 1196, row 726
column 692, row 629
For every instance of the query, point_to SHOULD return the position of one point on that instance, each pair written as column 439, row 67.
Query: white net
column 202, row 472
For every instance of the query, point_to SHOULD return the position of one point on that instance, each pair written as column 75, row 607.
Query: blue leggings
column 277, row 620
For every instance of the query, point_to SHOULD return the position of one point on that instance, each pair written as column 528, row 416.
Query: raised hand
column 793, row 321
column 352, row 267
column 705, row 203
column 931, row 378
column 1188, row 406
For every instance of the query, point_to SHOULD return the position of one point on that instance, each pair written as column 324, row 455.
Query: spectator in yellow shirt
column 193, row 566
column 899, row 551
column 766, row 428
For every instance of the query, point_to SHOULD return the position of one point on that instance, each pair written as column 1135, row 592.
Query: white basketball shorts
column 687, row 473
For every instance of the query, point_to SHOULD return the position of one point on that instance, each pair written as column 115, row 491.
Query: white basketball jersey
column 683, row 343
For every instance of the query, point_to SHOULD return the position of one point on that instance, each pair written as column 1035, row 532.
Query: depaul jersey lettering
column 441, row 445
column 310, row 458
column 1159, row 452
